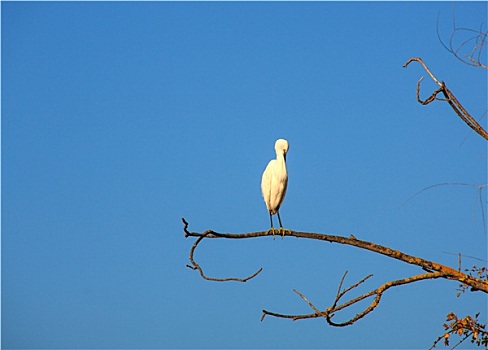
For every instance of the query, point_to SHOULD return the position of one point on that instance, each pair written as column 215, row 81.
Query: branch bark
column 433, row 270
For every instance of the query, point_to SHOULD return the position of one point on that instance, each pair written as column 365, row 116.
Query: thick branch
column 448, row 272
column 449, row 97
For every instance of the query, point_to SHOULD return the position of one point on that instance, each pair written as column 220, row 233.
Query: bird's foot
column 273, row 231
column 281, row 231
column 284, row 231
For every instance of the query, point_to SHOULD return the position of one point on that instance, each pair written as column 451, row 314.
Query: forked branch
column 332, row 311
column 449, row 97
column 433, row 270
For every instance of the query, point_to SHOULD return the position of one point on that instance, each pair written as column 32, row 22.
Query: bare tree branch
column 477, row 38
column 449, row 97
column 434, row 270
column 332, row 311
column 195, row 266
column 427, row 265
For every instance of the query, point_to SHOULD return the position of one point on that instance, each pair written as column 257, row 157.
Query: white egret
column 274, row 182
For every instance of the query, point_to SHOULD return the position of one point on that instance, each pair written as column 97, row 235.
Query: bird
column 274, row 182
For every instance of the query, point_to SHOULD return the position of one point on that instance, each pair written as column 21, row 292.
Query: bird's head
column 281, row 146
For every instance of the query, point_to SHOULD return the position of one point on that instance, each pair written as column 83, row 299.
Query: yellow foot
column 272, row 231
column 284, row 231
column 275, row 231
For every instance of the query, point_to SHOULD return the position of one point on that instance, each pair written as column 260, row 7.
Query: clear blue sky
column 120, row 118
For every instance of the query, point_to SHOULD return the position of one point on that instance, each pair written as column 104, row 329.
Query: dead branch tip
column 417, row 59
column 185, row 227
column 195, row 266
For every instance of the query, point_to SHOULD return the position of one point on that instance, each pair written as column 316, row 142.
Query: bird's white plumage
column 275, row 179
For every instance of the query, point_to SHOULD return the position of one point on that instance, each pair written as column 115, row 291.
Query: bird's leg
column 272, row 230
column 282, row 230
column 281, row 226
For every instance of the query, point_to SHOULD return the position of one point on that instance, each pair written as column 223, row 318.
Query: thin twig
column 479, row 36
column 419, row 60
column 317, row 311
column 340, row 285
column 478, row 187
column 467, row 256
column 352, row 286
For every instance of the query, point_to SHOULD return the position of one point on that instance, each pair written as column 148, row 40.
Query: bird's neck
column 280, row 157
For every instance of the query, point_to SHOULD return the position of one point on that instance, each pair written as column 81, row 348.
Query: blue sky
column 118, row 119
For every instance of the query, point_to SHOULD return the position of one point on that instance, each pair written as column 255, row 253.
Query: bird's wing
column 278, row 191
column 266, row 183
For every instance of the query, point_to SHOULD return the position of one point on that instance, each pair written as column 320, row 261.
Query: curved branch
column 449, row 97
column 429, row 99
column 195, row 266
column 427, row 265
column 419, row 60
